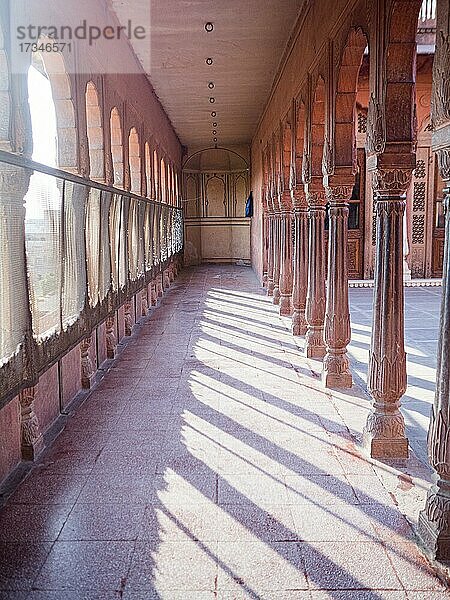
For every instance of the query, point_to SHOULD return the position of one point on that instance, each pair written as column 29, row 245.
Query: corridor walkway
column 210, row 463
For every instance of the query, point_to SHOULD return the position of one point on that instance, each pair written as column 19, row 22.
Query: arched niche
column 163, row 180
column 156, row 177
column 148, row 170
column 134, row 157
column 94, row 128
column 51, row 65
column 116, row 147
column 220, row 160
column 215, row 196
column 318, row 128
column 345, row 100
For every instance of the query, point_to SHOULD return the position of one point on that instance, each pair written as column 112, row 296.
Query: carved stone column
column 166, row 279
column 434, row 521
column 336, row 372
column 384, row 433
column 316, row 295
column 144, row 303
column 300, row 276
column 276, row 257
column 270, row 253
column 153, row 294
column 87, row 368
column 128, row 318
column 286, row 255
column 32, row 441
column 159, row 285
column 111, row 340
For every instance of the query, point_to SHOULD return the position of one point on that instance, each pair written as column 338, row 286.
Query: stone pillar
column 384, row 433
column 276, row 257
column 153, row 293
column 166, row 279
column 32, row 441
column 128, row 318
column 286, row 255
column 111, row 340
column 336, row 372
column 270, row 251
column 434, row 521
column 87, row 368
column 316, row 295
column 144, row 303
column 300, row 263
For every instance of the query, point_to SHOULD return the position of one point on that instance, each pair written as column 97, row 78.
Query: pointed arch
column 134, row 158
column 116, row 147
column 94, row 127
column 345, row 99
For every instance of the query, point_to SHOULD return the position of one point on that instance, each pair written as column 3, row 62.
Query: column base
column 315, row 346
column 31, row 451
column 276, row 295
column 434, row 527
column 299, row 324
column 285, row 306
column 270, row 287
column 337, row 380
column 384, row 434
column 386, row 448
column 336, row 373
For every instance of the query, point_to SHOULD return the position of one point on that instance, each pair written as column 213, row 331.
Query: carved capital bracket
column 299, row 200
column 391, row 181
column 376, row 126
column 286, row 201
column 440, row 101
column 32, row 442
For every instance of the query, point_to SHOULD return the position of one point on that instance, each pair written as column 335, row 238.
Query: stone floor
column 210, row 463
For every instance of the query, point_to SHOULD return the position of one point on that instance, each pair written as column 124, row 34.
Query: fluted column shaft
column 434, row 521
column 316, row 296
column 276, row 258
column 270, row 253
column 286, row 255
column 384, row 433
column 300, row 264
column 336, row 372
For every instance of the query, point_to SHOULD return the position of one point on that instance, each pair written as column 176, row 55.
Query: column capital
column 391, row 172
column 299, row 200
column 286, row 204
column 339, row 186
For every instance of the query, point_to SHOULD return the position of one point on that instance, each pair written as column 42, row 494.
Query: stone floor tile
column 260, row 566
column 332, row 523
column 32, row 523
column 116, row 522
column 85, row 565
column 349, row 566
column 319, row 489
column 43, row 488
column 179, row 566
column 20, row 563
column 412, row 569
